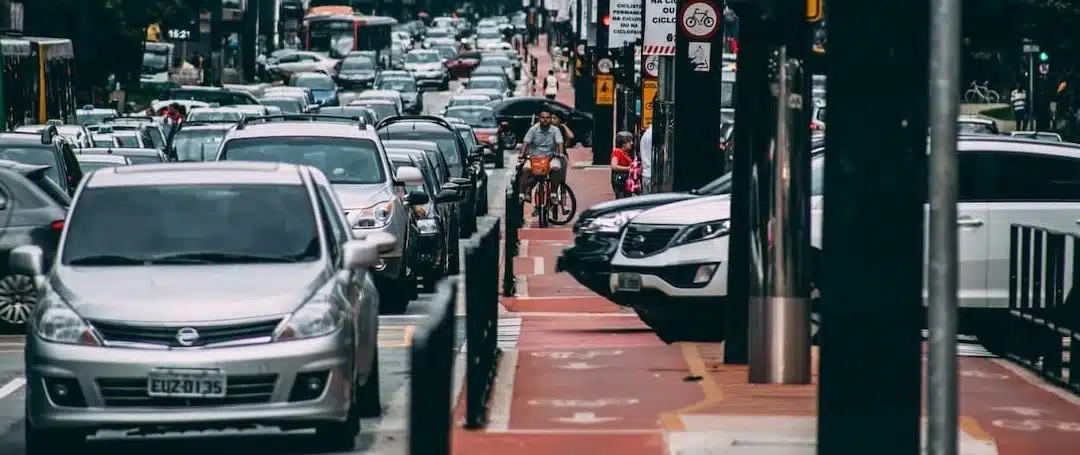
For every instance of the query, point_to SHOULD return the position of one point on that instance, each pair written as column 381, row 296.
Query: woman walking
column 621, row 160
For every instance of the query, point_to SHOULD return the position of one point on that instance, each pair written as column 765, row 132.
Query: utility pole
column 603, row 133
column 217, row 57
column 869, row 393
column 699, row 51
column 249, row 44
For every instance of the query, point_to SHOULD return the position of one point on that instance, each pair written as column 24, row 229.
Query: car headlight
column 611, row 223
column 427, row 226
column 376, row 216
column 55, row 321
column 318, row 317
column 703, row 231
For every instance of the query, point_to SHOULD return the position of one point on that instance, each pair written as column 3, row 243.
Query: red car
column 463, row 65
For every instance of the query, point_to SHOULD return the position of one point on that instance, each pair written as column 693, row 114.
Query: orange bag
column 540, row 165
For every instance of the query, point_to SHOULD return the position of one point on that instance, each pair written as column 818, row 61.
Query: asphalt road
column 383, row 436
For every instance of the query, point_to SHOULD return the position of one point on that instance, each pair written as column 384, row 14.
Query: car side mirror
column 359, row 254
column 409, row 175
column 417, row 198
column 28, row 260
column 447, row 195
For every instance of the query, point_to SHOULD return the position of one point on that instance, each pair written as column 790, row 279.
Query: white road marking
column 523, row 248
column 12, row 386
column 538, row 265
column 502, row 396
column 521, row 286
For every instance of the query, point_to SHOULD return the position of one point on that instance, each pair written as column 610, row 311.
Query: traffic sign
column 700, row 19
column 652, row 66
column 1044, row 68
column 1031, row 48
column 605, row 90
column 814, row 10
column 648, row 95
column 604, row 65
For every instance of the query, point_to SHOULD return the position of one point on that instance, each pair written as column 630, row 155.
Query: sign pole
column 603, row 133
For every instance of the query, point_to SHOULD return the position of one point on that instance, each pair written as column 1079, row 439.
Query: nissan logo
column 187, row 336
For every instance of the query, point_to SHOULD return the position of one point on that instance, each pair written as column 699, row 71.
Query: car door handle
column 969, row 222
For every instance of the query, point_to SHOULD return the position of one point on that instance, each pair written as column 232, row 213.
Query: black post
column 267, row 27
column 874, row 196
column 697, row 92
column 603, row 133
column 249, row 40
column 431, row 358
column 751, row 88
column 217, row 57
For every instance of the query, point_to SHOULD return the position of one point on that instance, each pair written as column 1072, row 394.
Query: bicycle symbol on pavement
column 700, row 19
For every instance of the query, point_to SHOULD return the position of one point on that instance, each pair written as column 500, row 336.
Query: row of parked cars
column 665, row 255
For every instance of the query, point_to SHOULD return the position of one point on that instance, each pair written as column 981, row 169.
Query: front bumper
column 671, row 271
column 429, row 79
column 589, row 261
column 260, row 384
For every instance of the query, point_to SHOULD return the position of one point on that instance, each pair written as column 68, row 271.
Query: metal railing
column 480, row 263
column 514, row 219
column 431, row 359
column 1044, row 313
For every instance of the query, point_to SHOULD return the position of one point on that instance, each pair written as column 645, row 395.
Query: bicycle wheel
column 992, row 97
column 708, row 21
column 690, row 22
column 972, row 96
column 565, row 212
column 540, row 199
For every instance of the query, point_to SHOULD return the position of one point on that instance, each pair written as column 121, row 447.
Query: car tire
column 341, row 436
column 18, row 296
column 40, row 441
column 369, row 395
column 394, row 297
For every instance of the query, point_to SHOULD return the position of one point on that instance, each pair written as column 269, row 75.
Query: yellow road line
column 971, row 426
column 713, row 393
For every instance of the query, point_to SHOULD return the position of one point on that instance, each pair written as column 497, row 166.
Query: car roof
column 1017, row 144
column 482, row 77
column 209, row 172
column 303, row 129
column 280, row 97
column 364, row 101
column 218, row 109
column 197, row 126
column 119, row 151
column 101, row 158
column 411, row 143
column 15, row 138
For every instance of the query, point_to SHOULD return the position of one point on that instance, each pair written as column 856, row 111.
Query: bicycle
column 699, row 15
column 977, row 93
column 550, row 204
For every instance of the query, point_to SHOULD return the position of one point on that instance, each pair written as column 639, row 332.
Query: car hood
column 688, row 212
column 362, row 74
column 647, row 201
column 354, row 197
column 187, row 293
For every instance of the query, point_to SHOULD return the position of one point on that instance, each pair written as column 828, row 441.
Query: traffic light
column 1043, row 56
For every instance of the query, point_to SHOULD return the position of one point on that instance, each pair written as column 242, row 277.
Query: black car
column 458, row 157
column 520, row 113
column 469, row 137
column 598, row 229
column 443, row 180
column 45, row 149
column 32, row 208
column 431, row 248
column 136, row 156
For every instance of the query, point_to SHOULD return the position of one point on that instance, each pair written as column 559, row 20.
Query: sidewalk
column 587, row 377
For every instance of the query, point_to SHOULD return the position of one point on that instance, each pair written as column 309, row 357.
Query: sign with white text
column 625, row 25
column 659, row 33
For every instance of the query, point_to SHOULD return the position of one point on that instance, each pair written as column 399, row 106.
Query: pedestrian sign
column 605, row 90
column 814, row 10
column 648, row 95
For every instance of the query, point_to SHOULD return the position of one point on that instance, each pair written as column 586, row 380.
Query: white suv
column 675, row 254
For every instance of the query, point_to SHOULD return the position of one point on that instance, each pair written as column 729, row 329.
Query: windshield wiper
column 210, row 257
column 106, row 259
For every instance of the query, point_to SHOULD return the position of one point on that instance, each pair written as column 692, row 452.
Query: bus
column 337, row 30
column 37, row 82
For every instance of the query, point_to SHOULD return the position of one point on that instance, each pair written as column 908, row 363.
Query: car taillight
column 57, row 225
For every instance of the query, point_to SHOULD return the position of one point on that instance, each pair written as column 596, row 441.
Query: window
column 520, row 107
column 234, row 222
column 43, row 155
column 343, row 160
column 1033, row 177
column 23, row 196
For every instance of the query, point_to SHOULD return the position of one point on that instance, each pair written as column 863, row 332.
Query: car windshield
column 102, row 140
column 437, row 32
column 143, row 158
column 446, row 140
column 468, row 137
column 399, row 84
column 44, row 155
column 491, row 83
column 358, row 63
column 381, row 110
column 154, row 62
column 474, row 117
column 344, row 111
column 191, row 224
column 343, row 160
column 205, row 115
column 422, row 57
column 498, row 62
column 198, row 145
column 89, row 166
column 315, row 82
column 287, row 106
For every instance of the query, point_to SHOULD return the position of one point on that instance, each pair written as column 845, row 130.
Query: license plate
column 184, row 383
column 629, row 282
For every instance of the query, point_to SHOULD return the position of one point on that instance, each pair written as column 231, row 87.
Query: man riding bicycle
column 544, row 143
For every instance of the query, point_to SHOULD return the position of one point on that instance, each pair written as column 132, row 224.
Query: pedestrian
column 551, row 85
column 621, row 160
column 645, row 153
column 1018, row 98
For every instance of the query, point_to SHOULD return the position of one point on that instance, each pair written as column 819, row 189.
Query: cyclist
column 541, row 141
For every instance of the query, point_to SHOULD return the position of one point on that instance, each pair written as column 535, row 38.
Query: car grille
column 240, row 389
column 167, row 335
column 643, row 240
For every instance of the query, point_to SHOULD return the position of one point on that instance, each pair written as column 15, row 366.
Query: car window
column 157, row 138
column 358, row 63
column 52, row 189
column 258, row 223
column 476, row 118
column 342, row 160
column 315, row 82
column 214, row 116
column 288, row 106
column 520, row 107
column 145, row 159
column 380, row 110
column 23, row 195
column 197, row 145
column 44, row 155
column 446, row 140
column 90, row 166
column 1029, row 177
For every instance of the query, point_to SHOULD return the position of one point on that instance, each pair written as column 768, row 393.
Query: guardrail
column 431, row 358
column 1044, row 313
column 514, row 217
column 480, row 261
